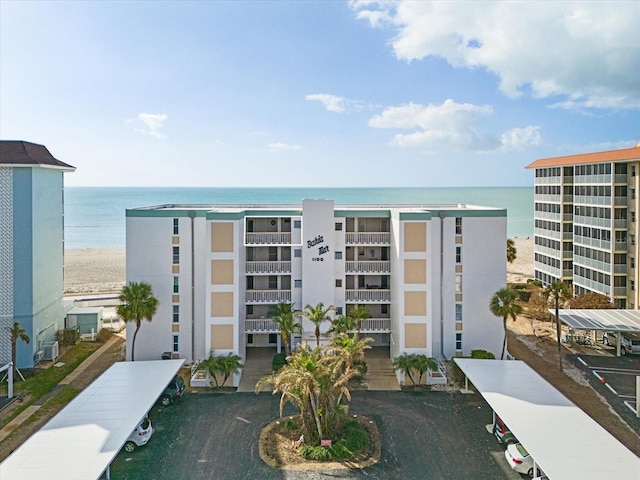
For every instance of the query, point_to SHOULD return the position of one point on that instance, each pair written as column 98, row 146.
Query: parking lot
column 617, row 375
column 425, row 435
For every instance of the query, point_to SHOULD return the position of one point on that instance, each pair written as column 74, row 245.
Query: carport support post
column 638, row 397
column 10, row 380
column 618, row 344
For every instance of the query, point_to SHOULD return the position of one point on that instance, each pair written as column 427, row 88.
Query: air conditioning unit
column 50, row 350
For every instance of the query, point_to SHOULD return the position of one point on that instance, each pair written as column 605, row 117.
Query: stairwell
column 256, row 366
column 380, row 372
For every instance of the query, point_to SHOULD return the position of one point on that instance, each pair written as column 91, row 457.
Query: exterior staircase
column 256, row 365
column 380, row 372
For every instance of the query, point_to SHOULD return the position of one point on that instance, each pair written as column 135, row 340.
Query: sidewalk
column 30, row 410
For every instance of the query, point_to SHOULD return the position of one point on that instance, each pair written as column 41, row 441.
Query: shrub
column 354, row 439
column 532, row 281
column 68, row 336
column 482, row 354
column 104, row 334
column 279, row 361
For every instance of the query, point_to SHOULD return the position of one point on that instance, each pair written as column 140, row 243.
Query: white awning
column 607, row 320
column 82, row 440
column 564, row 441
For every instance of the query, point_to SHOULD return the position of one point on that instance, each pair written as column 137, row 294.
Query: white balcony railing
column 263, row 325
column 265, row 238
column 367, row 238
column 368, row 295
column 376, row 325
column 368, row 267
column 267, row 296
column 268, row 267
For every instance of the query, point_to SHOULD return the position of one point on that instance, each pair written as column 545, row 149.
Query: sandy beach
column 102, row 270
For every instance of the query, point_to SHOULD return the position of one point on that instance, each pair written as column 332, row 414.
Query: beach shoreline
column 103, row 270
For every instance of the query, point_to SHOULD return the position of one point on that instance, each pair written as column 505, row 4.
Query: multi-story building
column 31, row 247
column 425, row 273
column 585, row 209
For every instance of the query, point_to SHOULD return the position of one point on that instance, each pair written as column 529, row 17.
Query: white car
column 140, row 436
column 520, row 460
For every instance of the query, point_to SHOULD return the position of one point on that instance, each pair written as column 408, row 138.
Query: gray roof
column 604, row 320
column 20, row 153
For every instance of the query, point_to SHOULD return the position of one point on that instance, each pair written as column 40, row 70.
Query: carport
column 564, row 441
column 82, row 440
column 615, row 321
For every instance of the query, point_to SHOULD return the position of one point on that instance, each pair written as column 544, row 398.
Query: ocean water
column 95, row 216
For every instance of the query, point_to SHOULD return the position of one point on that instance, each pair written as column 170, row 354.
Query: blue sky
column 322, row 94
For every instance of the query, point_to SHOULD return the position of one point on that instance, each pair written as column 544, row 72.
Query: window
column 458, row 226
column 175, row 226
column 338, row 226
column 458, row 312
column 632, row 261
column 458, row 254
column 338, row 310
column 176, row 285
column 458, row 341
column 339, row 283
column 176, row 313
column 297, row 224
column 632, row 284
column 297, row 283
column 273, row 282
column 176, row 255
column 273, row 338
column 633, row 170
column 176, row 345
column 458, row 283
column 249, row 309
column 297, row 253
column 249, row 338
column 384, row 308
column 338, row 255
column 633, row 216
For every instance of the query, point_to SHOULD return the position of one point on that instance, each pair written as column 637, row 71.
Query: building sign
column 322, row 249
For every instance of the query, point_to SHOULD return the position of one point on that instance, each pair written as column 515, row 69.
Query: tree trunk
column 504, row 342
column 133, row 342
column 317, row 335
column 558, row 333
column 314, row 409
column 13, row 354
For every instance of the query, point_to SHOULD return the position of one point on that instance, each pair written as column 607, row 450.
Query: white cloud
column 448, row 126
column 282, row 147
column 518, row 139
column 152, row 123
column 333, row 103
column 586, row 52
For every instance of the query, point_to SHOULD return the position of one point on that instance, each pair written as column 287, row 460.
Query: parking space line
column 582, row 361
column 611, row 388
column 595, row 372
column 632, row 408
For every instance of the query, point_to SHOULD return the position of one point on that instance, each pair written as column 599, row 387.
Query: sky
column 318, row 93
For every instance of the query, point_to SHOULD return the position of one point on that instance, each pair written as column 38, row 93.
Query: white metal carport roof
column 608, row 320
column 564, row 441
column 82, row 440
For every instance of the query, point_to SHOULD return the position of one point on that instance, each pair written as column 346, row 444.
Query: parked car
column 630, row 342
column 174, row 391
column 502, row 433
column 520, row 460
column 140, row 436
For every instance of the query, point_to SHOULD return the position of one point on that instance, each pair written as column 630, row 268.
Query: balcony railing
column 368, row 295
column 368, row 267
column 261, row 326
column 376, row 325
column 368, row 238
column 267, row 296
column 265, row 238
column 268, row 267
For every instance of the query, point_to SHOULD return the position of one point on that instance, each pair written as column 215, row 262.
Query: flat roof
column 564, row 441
column 82, row 440
column 610, row 320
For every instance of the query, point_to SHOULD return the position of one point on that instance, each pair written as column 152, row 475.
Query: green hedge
column 279, row 361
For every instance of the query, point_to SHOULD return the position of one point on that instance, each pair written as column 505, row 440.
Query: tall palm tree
column 359, row 313
column 317, row 315
column 284, row 315
column 503, row 304
column 511, row 250
column 558, row 292
column 137, row 303
column 17, row 333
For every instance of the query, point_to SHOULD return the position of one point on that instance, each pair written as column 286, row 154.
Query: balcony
column 620, row 201
column 620, row 268
column 267, row 296
column 375, row 325
column 268, row 267
column 367, row 238
column 266, row 238
column 368, row 267
column 368, row 295
column 263, row 325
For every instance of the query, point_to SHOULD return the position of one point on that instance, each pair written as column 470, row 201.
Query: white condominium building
column 586, row 228
column 426, row 274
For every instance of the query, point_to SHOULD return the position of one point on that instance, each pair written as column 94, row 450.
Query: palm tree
column 317, row 315
column 359, row 313
column 511, row 250
column 503, row 304
column 406, row 364
column 284, row 315
column 424, row 364
column 137, row 302
column 226, row 365
column 17, row 333
column 352, row 349
column 342, row 324
column 559, row 292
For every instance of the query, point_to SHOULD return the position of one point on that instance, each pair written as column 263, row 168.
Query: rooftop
column 622, row 155
column 17, row 153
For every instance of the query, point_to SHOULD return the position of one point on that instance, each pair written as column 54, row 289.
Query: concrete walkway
column 30, row 410
column 256, row 366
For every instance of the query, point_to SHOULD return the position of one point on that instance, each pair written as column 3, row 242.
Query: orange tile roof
column 624, row 154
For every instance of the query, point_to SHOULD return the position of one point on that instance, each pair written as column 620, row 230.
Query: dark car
column 502, row 433
column 174, row 391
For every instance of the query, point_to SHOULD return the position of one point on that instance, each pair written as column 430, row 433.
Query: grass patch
column 354, row 439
